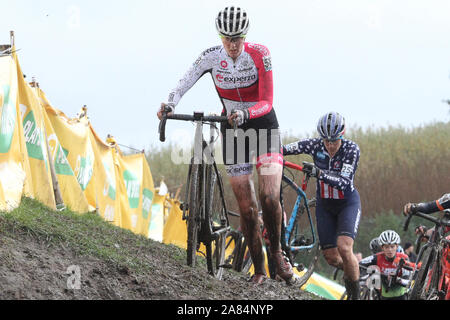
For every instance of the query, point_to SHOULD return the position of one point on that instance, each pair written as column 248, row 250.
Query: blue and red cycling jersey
column 336, row 173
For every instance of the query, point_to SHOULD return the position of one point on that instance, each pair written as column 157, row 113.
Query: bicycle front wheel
column 215, row 217
column 419, row 288
column 193, row 220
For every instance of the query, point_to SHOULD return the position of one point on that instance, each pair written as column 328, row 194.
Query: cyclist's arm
column 201, row 66
column 305, row 146
column 341, row 180
column 404, row 273
column 435, row 206
column 263, row 62
column 368, row 261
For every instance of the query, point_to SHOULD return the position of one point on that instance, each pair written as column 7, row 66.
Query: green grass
column 86, row 234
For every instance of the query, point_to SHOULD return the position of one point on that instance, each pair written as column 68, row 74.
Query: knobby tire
column 418, row 288
column 305, row 277
column 314, row 253
column 193, row 220
column 214, row 214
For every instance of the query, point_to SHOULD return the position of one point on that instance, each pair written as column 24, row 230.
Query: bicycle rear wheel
column 419, row 288
column 239, row 250
column 247, row 263
column 434, row 278
column 193, row 219
column 305, row 260
column 217, row 223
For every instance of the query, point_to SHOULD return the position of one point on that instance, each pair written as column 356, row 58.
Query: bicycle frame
column 202, row 181
column 301, row 196
column 198, row 157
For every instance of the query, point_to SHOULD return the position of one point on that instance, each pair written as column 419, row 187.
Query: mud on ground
column 34, row 267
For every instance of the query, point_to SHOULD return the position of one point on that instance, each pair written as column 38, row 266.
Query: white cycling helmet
column 389, row 237
column 232, row 22
column 331, row 126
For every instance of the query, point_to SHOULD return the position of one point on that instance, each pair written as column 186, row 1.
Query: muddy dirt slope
column 60, row 255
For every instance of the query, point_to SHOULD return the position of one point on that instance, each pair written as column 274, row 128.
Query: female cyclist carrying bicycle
column 338, row 207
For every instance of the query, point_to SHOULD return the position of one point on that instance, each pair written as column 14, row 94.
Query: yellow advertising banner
column 148, row 193
column 32, row 119
column 74, row 137
column 175, row 231
column 72, row 195
column 13, row 170
column 106, row 174
column 139, row 192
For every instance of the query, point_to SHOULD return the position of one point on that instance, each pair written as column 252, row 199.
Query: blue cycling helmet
column 331, row 126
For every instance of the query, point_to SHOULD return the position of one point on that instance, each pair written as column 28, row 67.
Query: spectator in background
column 409, row 250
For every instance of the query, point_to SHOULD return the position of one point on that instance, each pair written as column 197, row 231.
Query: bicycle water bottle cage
column 198, row 115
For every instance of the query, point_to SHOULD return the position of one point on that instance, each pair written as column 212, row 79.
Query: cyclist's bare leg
column 350, row 262
column 343, row 258
column 333, row 258
column 269, row 176
column 244, row 191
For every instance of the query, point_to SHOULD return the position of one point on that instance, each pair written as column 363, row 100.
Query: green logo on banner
column 33, row 137
column 8, row 120
column 84, row 170
column 133, row 188
column 147, row 199
column 62, row 166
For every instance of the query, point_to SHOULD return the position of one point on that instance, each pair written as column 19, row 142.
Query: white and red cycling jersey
column 246, row 83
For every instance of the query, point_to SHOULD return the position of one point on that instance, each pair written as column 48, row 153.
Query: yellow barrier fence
column 62, row 161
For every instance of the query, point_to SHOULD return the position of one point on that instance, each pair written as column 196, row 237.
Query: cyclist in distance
column 374, row 246
column 387, row 261
column 338, row 207
column 441, row 204
column 242, row 75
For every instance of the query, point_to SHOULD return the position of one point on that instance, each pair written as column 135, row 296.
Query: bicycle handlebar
column 197, row 116
column 162, row 126
column 407, row 221
column 292, row 165
column 422, row 215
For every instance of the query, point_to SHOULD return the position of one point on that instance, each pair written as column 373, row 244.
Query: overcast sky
column 378, row 63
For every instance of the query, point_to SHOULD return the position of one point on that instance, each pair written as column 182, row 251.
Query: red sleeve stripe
column 440, row 207
column 260, row 109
